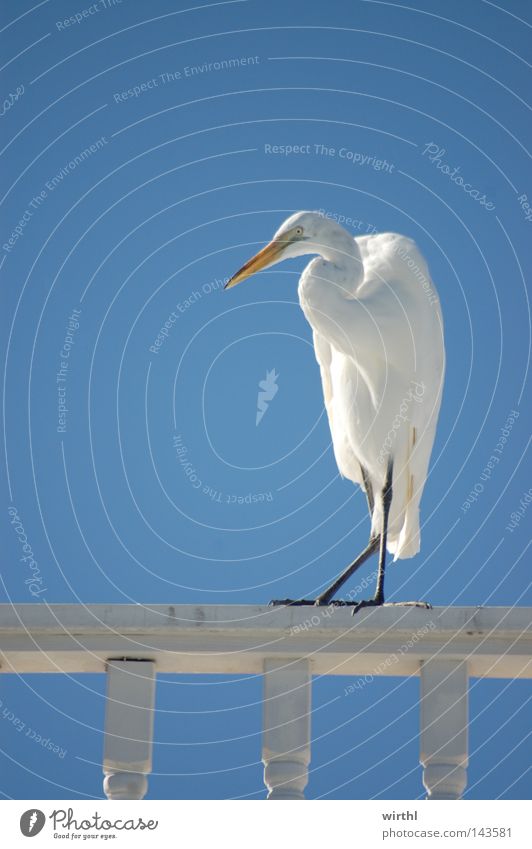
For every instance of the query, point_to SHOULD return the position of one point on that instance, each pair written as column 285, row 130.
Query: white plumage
column 378, row 338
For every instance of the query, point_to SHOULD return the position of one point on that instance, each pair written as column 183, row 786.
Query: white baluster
column 444, row 720
column 128, row 728
column 286, row 734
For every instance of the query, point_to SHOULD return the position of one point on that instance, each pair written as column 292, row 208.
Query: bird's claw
column 334, row 602
column 424, row 604
column 371, row 602
column 339, row 602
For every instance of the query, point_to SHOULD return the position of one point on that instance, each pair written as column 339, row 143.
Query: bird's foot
column 424, row 604
column 291, row 602
column 372, row 602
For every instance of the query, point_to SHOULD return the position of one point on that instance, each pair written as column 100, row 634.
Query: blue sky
column 138, row 172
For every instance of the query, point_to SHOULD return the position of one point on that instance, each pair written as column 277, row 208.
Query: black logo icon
column 32, row 822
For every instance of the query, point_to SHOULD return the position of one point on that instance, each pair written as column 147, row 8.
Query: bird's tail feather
column 407, row 542
column 403, row 540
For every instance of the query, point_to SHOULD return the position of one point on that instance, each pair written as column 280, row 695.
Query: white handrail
column 444, row 646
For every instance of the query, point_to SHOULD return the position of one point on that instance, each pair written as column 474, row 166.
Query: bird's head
column 301, row 234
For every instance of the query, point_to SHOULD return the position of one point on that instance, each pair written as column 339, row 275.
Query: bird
column 378, row 338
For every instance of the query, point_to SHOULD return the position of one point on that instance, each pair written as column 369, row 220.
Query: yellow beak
column 263, row 259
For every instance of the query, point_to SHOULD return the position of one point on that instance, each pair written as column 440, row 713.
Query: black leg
column 330, row 592
column 372, row 546
column 369, row 491
column 387, row 493
column 327, row 596
column 386, row 501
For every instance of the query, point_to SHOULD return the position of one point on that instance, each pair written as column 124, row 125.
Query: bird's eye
column 299, row 231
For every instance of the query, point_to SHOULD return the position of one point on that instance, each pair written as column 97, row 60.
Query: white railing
column 131, row 643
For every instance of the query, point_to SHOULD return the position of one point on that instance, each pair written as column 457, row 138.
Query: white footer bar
column 350, row 823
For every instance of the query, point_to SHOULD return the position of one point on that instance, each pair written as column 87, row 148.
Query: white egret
column 378, row 339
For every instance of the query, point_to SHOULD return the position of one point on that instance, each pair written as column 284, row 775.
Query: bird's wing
column 395, row 259
column 393, row 262
column 347, row 463
column 323, row 352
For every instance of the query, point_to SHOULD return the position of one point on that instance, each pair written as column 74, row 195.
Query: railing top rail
column 88, row 617
column 236, row 639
